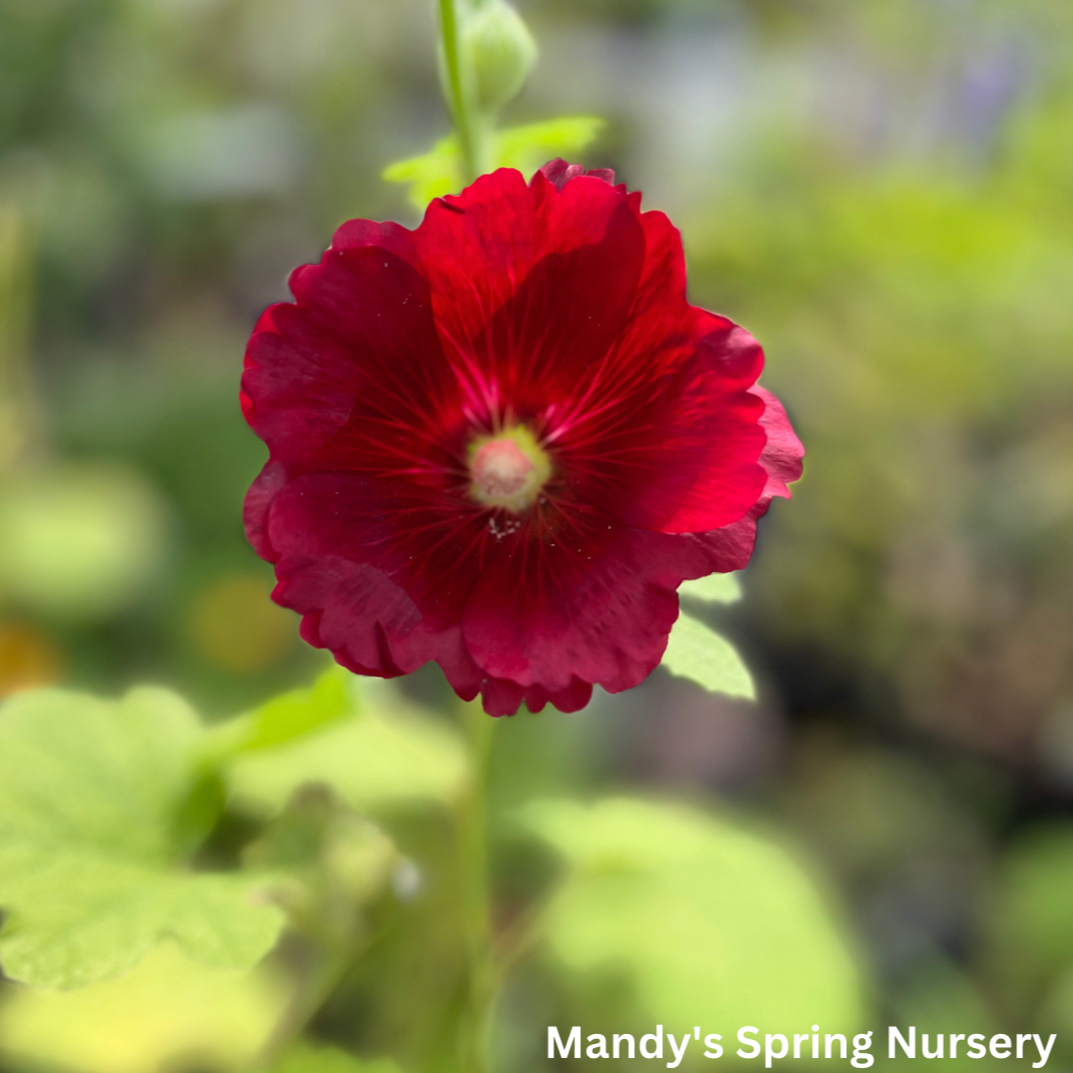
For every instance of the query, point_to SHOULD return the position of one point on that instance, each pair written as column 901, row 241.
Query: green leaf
column 530, row 147
column 85, row 918
column 526, row 148
column 304, row 711
column 92, row 798
column 691, row 912
column 75, row 771
column 391, row 753
column 154, row 1018
column 715, row 588
column 698, row 653
column 431, row 174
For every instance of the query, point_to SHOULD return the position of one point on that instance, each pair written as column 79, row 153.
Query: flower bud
column 501, row 50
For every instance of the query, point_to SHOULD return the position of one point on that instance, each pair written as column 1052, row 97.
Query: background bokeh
column 880, row 190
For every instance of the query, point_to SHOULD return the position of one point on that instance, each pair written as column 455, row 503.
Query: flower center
column 508, row 469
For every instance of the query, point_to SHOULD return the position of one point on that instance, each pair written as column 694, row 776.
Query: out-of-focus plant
column 140, row 847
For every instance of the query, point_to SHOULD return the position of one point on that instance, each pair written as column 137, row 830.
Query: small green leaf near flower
column 531, row 146
column 439, row 171
column 715, row 588
column 431, row 174
column 303, row 711
column 696, row 652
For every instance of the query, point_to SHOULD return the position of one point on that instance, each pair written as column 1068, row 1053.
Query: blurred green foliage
column 682, row 910
column 696, row 913
column 880, row 192
column 298, row 713
column 168, row 1011
column 93, row 825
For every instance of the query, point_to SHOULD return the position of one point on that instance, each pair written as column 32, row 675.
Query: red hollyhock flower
column 501, row 441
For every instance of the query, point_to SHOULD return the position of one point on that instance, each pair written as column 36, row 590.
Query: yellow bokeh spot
column 234, row 624
column 28, row 659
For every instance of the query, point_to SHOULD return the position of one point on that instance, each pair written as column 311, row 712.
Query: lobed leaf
column 92, row 797
column 79, row 771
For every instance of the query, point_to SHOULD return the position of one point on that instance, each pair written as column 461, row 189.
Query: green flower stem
column 460, row 93
column 483, row 976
